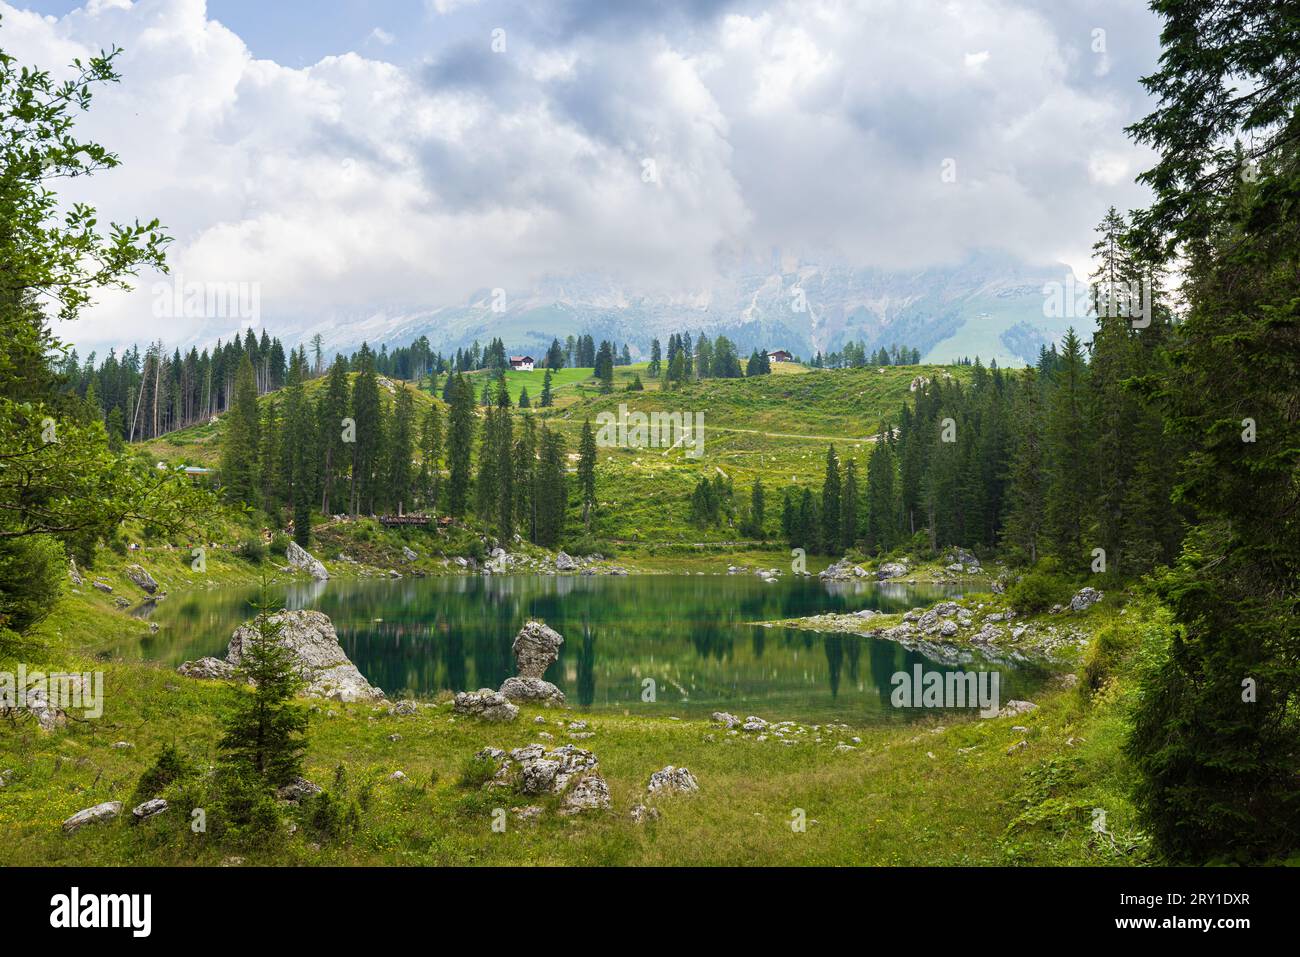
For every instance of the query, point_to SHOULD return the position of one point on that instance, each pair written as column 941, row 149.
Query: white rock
column 93, row 815
column 299, row 557
column 673, row 780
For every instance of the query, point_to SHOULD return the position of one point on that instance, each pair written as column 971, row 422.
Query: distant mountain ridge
column 990, row 305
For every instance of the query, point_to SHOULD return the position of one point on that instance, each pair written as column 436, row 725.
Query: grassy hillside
column 775, row 427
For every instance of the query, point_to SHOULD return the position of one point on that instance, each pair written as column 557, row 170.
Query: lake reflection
column 686, row 637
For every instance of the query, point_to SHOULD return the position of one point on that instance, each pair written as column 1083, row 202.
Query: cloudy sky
column 349, row 157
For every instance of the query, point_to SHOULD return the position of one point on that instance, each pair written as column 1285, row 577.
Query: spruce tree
column 587, row 473
column 830, row 508
column 266, row 732
column 849, row 506
column 239, row 451
column 332, row 410
column 460, row 443
column 1069, row 516
column 431, row 458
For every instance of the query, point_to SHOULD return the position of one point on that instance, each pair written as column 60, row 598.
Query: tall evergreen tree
column 830, row 536
column 849, row 506
column 587, row 473
column 239, row 478
column 266, row 733
column 460, row 444
column 1069, row 519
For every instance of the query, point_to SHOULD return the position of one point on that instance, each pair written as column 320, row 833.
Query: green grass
column 775, row 427
column 907, row 795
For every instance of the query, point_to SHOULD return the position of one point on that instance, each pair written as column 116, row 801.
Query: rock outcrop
column 567, row 770
column 93, row 815
column 47, row 714
column 486, row 704
column 532, row 691
column 319, row 658
column 208, row 669
column 536, row 648
column 141, row 578
column 297, row 790
column 891, row 570
column 299, row 557
column 150, row 808
column 563, row 563
column 1084, row 599
column 673, row 780
column 321, row 662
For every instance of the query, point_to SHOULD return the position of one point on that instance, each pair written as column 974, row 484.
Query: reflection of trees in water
column 852, row 652
column 587, row 665
column 834, row 645
column 710, row 640
column 453, row 656
column 456, row 633
column 883, row 657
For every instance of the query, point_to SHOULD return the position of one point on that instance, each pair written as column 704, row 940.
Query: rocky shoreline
column 955, row 632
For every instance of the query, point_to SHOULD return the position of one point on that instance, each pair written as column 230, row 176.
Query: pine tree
column 547, row 398
column 332, row 410
column 431, row 458
column 830, row 507
column 808, row 529
column 1066, row 456
column 505, row 448
column 525, row 464
column 239, row 451
column 757, row 510
column 369, row 438
column 266, row 733
column 272, row 492
column 587, row 473
column 552, row 489
column 849, row 506
column 398, row 484
column 880, row 525
column 1026, row 481
column 460, row 443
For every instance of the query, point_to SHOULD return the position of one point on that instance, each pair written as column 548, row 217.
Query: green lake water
column 692, row 636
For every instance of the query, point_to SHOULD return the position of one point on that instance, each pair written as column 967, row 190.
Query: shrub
column 590, row 545
column 477, row 771
column 1106, row 654
column 1039, row 588
column 248, row 815
column 279, row 543
column 167, row 769
column 252, row 550
column 32, row 570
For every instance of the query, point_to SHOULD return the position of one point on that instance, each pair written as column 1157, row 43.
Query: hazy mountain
column 989, row 305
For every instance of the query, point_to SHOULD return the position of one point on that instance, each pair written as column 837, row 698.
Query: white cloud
column 352, row 184
column 381, row 36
